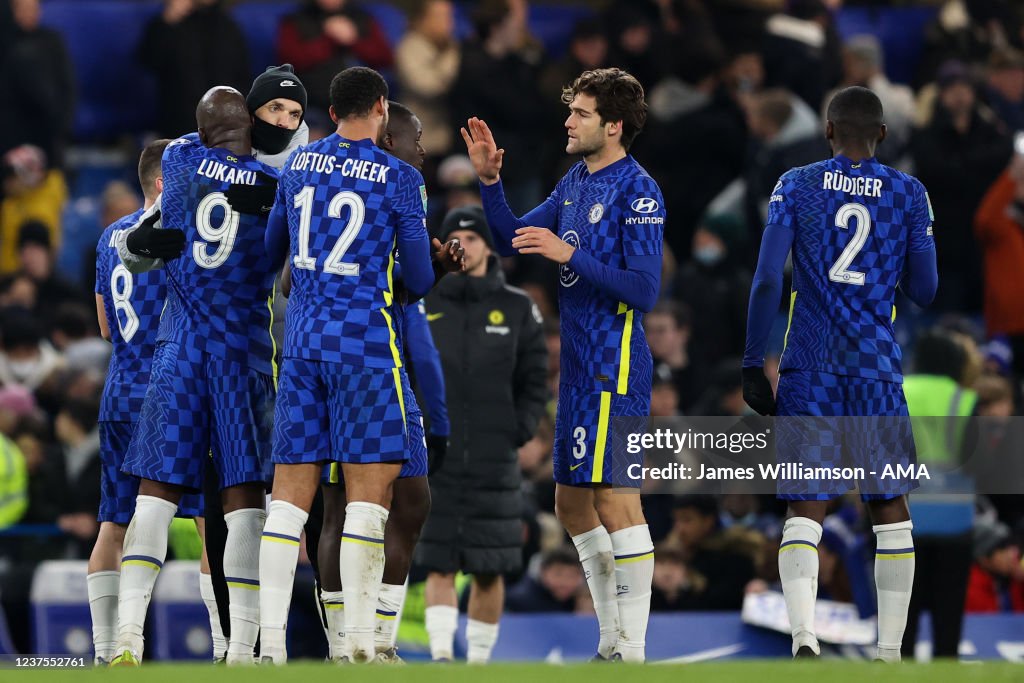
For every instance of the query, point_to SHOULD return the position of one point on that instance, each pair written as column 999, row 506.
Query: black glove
column 255, row 200
column 437, row 446
column 757, row 391
column 151, row 242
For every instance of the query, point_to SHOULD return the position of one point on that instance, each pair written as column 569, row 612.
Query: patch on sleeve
column 423, row 196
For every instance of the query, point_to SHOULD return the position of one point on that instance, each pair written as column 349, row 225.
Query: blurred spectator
column 672, row 588
column 744, row 510
column 1005, row 91
column 38, row 86
column 18, row 290
column 634, row 37
column 694, row 116
column 16, row 402
column 668, row 329
column 76, row 429
column 964, row 30
column 76, row 336
column 498, row 82
column 664, row 395
column 997, row 357
column 550, row 589
column 996, row 582
column 27, row 358
column 957, row 157
column 863, row 65
column 785, row 133
column 999, row 228
column 995, row 397
column 724, row 558
column 801, row 51
column 715, row 285
column 937, row 394
column 191, row 46
column 29, row 193
column 36, row 259
column 427, row 61
column 723, row 393
column 45, row 466
column 13, row 483
column 327, row 36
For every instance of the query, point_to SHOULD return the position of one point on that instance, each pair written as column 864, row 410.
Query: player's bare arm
column 533, row 240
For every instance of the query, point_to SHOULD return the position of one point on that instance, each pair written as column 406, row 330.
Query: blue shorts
column 585, row 451
column 195, row 404
column 833, row 421
column 415, row 466
column 119, row 490
column 341, row 413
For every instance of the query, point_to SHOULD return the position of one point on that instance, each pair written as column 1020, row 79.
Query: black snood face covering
column 266, row 137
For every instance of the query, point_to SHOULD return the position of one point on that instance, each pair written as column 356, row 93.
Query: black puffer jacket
column 495, row 364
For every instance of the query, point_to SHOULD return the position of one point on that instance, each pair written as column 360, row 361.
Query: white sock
column 441, row 622
column 634, row 572
column 480, row 637
column 598, row 560
column 798, row 569
column 102, row 588
column 242, row 573
column 389, row 611
column 362, row 566
column 220, row 643
column 894, row 580
column 334, row 608
column 279, row 553
column 145, row 549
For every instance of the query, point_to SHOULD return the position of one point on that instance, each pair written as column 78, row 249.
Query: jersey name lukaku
column 348, row 203
column 853, row 226
column 611, row 214
column 132, row 304
column 219, row 290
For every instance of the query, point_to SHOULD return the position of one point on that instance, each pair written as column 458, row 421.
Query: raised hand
column 450, row 255
column 482, row 150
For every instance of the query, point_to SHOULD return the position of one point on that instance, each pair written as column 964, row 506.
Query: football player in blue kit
column 603, row 224
column 857, row 230
column 212, row 383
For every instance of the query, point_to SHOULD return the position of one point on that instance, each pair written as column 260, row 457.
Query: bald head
column 224, row 120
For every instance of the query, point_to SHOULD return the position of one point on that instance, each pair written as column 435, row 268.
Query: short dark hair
column 19, row 328
column 74, row 320
column 83, row 411
column 400, row 109
column 486, row 15
column 149, row 163
column 938, row 353
column 620, row 97
column 855, row 113
column 355, row 90
column 705, row 505
column 679, row 311
column 562, row 554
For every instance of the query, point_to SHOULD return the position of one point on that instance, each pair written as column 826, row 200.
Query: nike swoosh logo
column 431, row 317
column 567, row 202
column 575, row 467
column 466, row 223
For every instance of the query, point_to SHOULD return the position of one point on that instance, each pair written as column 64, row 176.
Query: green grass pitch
column 761, row 671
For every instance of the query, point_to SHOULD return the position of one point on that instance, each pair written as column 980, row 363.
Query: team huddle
column 186, row 290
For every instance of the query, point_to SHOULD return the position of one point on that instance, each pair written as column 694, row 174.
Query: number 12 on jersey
column 335, row 260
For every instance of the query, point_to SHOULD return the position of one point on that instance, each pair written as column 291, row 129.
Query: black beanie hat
column 276, row 81
column 467, row 218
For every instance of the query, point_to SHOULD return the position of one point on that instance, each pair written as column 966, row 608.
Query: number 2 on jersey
column 334, row 263
column 840, row 270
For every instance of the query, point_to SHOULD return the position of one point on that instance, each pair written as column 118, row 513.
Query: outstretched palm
column 482, row 150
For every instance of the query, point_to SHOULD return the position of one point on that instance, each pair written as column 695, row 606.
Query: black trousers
column 941, row 566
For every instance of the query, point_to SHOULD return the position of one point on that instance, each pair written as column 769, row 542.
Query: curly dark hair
column 355, row 90
column 620, row 97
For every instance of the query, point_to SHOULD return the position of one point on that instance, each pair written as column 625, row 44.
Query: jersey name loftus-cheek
column 353, row 168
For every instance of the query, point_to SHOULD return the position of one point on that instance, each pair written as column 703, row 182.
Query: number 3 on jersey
column 334, row 263
column 840, row 270
column 579, row 448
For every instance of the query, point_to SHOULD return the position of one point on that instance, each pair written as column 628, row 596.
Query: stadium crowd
column 736, row 90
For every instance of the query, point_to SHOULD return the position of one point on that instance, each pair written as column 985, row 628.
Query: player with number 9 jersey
column 213, row 374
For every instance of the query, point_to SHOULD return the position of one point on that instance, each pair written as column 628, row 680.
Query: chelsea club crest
column 596, row 211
